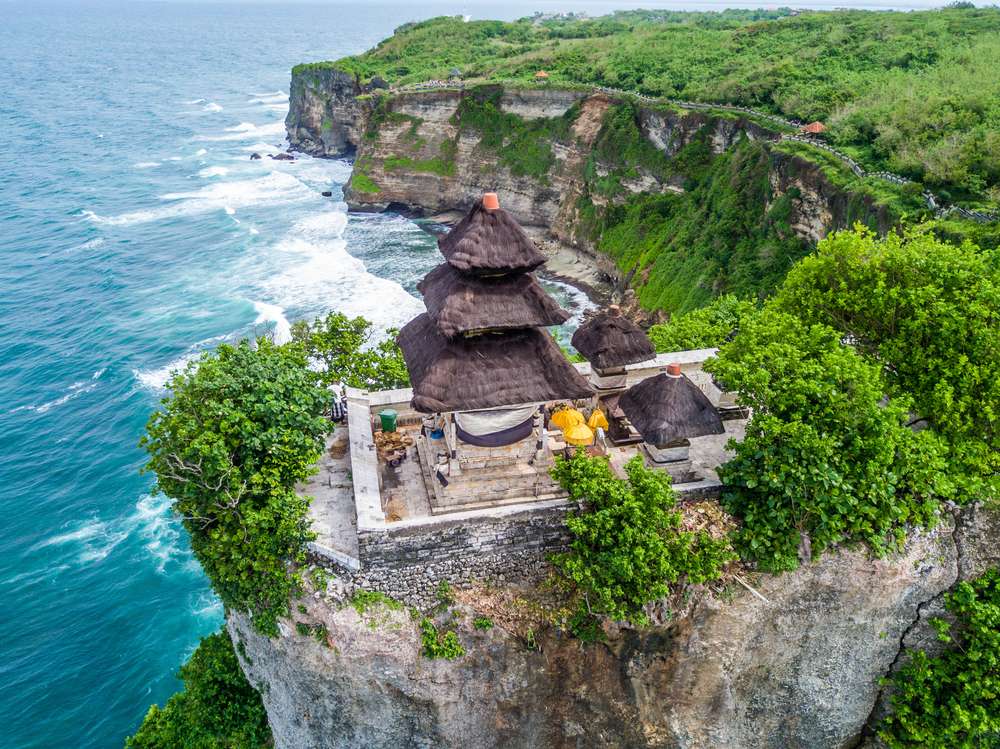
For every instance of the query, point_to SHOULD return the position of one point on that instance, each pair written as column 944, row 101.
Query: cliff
column 575, row 163
column 799, row 669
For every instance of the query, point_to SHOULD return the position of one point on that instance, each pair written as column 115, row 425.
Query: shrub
column 243, row 425
column 482, row 622
column 824, row 460
column 627, row 545
column 217, row 708
column 707, row 327
column 929, row 312
column 953, row 700
column 438, row 644
column 351, row 352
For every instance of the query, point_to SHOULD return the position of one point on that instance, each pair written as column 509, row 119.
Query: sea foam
column 272, row 313
column 272, row 189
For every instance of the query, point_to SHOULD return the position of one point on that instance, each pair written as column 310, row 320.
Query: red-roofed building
column 813, row 128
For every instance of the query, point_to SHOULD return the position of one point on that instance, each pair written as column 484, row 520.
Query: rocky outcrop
column 799, row 669
column 414, row 155
column 325, row 116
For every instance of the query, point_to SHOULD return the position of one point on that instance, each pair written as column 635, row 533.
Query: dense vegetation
column 723, row 234
column 952, row 700
column 824, row 460
column 242, row 427
column 929, row 312
column 915, row 93
column 628, row 545
column 352, row 352
column 218, row 708
column 707, row 327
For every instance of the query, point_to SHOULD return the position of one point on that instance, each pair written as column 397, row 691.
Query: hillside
column 913, row 93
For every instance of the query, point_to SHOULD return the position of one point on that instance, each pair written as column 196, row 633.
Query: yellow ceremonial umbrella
column 566, row 418
column 597, row 420
column 578, row 434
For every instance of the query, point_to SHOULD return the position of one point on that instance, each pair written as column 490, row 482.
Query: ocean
column 135, row 233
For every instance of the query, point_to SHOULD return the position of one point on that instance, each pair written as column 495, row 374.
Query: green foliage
column 953, row 701
column 725, row 234
column 627, row 545
column 242, row 427
column 707, row 327
column 318, row 632
column 912, row 92
column 364, row 600
column 361, row 182
column 437, row 644
column 929, row 312
column 351, row 352
column 217, row 709
column 482, row 622
column 823, row 458
column 523, row 146
column 444, row 593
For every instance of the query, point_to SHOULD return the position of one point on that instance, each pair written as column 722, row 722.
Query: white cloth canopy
column 482, row 423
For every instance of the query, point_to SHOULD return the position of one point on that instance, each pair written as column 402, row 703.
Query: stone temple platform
column 364, row 503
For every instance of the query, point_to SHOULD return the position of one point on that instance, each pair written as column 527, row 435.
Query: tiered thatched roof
column 489, row 242
column 485, row 371
column 666, row 408
column 461, row 304
column 609, row 340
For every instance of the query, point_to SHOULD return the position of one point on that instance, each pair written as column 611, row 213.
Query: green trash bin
column 388, row 418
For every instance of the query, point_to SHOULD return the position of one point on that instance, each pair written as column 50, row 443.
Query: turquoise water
column 135, row 232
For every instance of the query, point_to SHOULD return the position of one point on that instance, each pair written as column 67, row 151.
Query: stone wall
column 409, row 560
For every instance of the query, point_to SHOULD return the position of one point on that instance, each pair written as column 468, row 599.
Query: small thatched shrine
column 667, row 410
column 480, row 359
column 610, row 341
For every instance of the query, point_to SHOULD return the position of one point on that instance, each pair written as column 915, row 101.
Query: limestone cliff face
column 800, row 669
column 417, row 157
column 324, row 113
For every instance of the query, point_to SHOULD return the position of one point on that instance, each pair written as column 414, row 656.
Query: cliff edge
column 798, row 665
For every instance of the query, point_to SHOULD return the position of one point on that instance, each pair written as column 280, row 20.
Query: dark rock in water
column 326, row 194
column 255, row 156
column 282, row 157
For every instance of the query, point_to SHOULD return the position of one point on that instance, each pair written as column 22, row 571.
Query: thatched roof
column 610, row 340
column 485, row 371
column 665, row 409
column 459, row 303
column 489, row 242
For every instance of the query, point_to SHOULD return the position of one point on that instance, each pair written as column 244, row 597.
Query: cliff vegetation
column 913, row 93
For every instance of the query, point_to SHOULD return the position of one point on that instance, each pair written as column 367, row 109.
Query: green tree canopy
column 218, row 708
column 825, row 460
column 929, row 312
column 628, row 544
column 352, row 353
column 707, row 327
column 243, row 425
column 952, row 701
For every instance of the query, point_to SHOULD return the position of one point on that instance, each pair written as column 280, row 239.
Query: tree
column 707, row 327
column 218, row 708
column 952, row 701
column 242, row 427
column 627, row 544
column 928, row 312
column 351, row 353
column 825, row 460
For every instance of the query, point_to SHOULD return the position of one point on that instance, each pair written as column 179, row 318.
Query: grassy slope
column 910, row 92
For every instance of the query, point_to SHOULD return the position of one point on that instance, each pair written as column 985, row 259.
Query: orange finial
column 490, row 201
